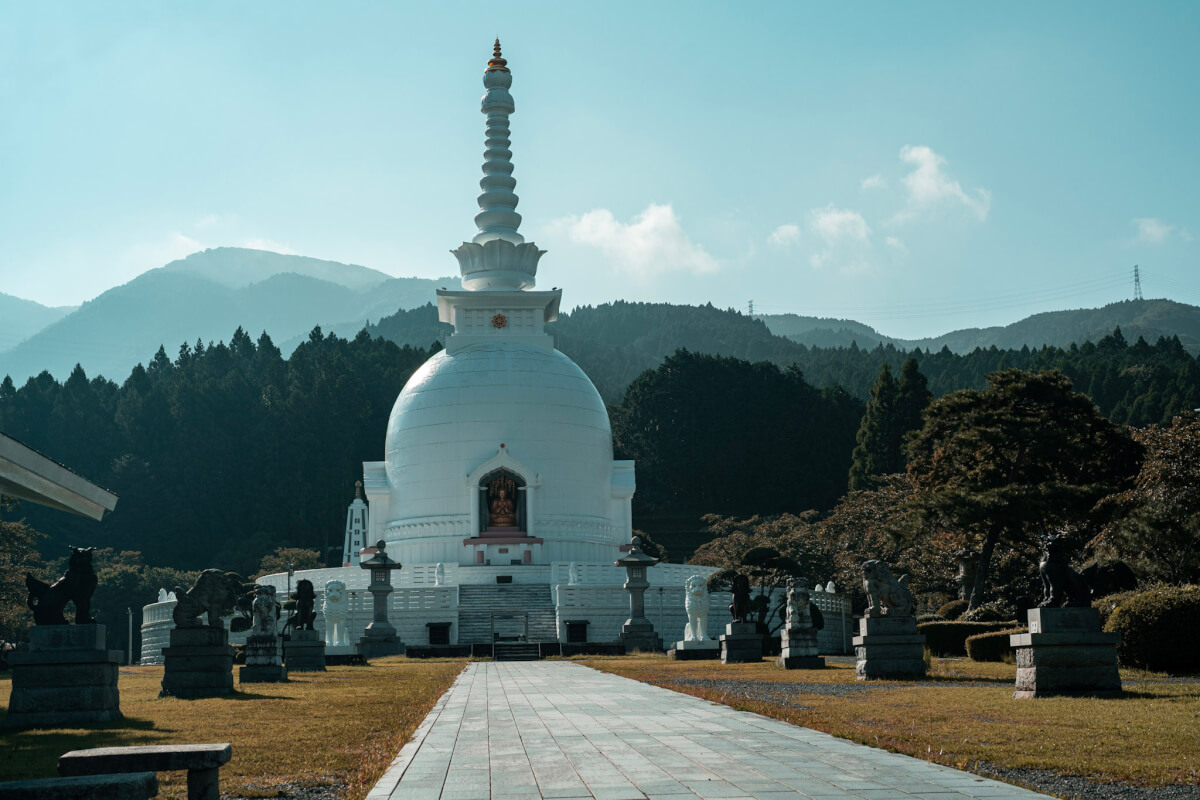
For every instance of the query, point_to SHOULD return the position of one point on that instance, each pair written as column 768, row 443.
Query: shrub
column 992, row 646
column 1156, row 627
column 930, row 618
column 950, row 638
column 952, row 610
column 995, row 611
column 1105, row 605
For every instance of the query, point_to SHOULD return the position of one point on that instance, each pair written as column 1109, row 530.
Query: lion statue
column 265, row 610
column 1061, row 585
column 696, row 602
column 306, row 606
column 335, row 608
column 215, row 593
column 47, row 600
column 798, row 601
column 886, row 595
column 739, row 609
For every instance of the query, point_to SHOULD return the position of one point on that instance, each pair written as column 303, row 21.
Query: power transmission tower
column 1137, row 283
column 752, row 308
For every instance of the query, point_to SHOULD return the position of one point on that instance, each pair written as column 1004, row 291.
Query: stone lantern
column 380, row 637
column 638, row 633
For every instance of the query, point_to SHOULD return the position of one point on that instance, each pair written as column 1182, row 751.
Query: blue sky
column 919, row 166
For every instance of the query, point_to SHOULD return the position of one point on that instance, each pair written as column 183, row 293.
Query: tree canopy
column 1026, row 456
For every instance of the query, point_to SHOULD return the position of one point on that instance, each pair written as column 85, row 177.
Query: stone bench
column 202, row 762
column 126, row 786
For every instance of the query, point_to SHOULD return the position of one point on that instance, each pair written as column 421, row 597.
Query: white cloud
column 151, row 255
column 896, row 243
column 845, row 238
column 653, row 242
column 876, row 181
column 785, row 235
column 1155, row 231
column 268, row 244
column 207, row 221
column 930, row 188
column 834, row 224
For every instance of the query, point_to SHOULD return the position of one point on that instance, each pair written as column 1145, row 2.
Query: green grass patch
column 964, row 712
column 342, row 727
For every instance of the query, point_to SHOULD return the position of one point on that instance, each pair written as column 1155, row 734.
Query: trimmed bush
column 992, row 646
column 1157, row 628
column 1107, row 604
column 950, row 638
column 930, row 618
column 995, row 611
column 952, row 610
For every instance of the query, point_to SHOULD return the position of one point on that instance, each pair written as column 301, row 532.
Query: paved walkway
column 554, row 729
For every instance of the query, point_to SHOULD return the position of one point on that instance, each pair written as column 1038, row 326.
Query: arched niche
column 503, row 500
column 524, row 481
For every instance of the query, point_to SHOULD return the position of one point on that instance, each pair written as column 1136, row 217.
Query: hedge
column 992, row 646
column 953, row 610
column 950, row 638
column 1105, row 605
column 1158, row 628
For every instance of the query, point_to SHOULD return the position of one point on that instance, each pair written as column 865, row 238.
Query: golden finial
column 497, row 62
column 358, row 490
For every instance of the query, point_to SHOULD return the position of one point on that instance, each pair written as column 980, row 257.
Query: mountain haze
column 1148, row 319
column 20, row 319
column 238, row 267
column 207, row 296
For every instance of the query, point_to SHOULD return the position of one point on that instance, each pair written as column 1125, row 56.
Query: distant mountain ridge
column 20, row 319
column 207, row 296
column 239, row 267
column 1148, row 319
column 1133, row 381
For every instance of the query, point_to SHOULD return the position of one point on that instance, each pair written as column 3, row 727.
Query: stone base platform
column 380, row 646
column 639, row 635
column 889, row 648
column 741, row 643
column 695, row 651
column 1066, row 653
column 199, row 663
column 304, row 652
column 67, row 678
column 264, row 663
column 798, row 649
column 262, row 673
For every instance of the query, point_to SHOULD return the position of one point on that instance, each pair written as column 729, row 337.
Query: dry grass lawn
column 965, row 713
column 341, row 727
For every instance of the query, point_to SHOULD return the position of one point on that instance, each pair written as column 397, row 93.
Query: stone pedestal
column 638, row 634
column 689, row 651
column 376, row 645
column 199, row 663
column 741, row 643
column 264, row 664
column 304, row 652
column 889, row 648
column 1066, row 653
column 799, row 649
column 67, row 678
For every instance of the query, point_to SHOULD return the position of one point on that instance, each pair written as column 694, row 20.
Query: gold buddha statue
column 501, row 512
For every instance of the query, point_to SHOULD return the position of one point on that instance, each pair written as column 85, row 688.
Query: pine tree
column 876, row 449
column 912, row 396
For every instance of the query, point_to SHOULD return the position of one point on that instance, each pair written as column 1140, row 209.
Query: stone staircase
column 515, row 651
column 477, row 604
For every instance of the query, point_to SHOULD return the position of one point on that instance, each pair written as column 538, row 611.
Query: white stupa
column 499, row 449
column 499, row 474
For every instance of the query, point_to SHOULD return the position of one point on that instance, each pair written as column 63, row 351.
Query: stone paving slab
column 555, row 729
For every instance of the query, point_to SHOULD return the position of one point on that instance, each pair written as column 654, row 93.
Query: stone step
column 478, row 603
column 515, row 651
